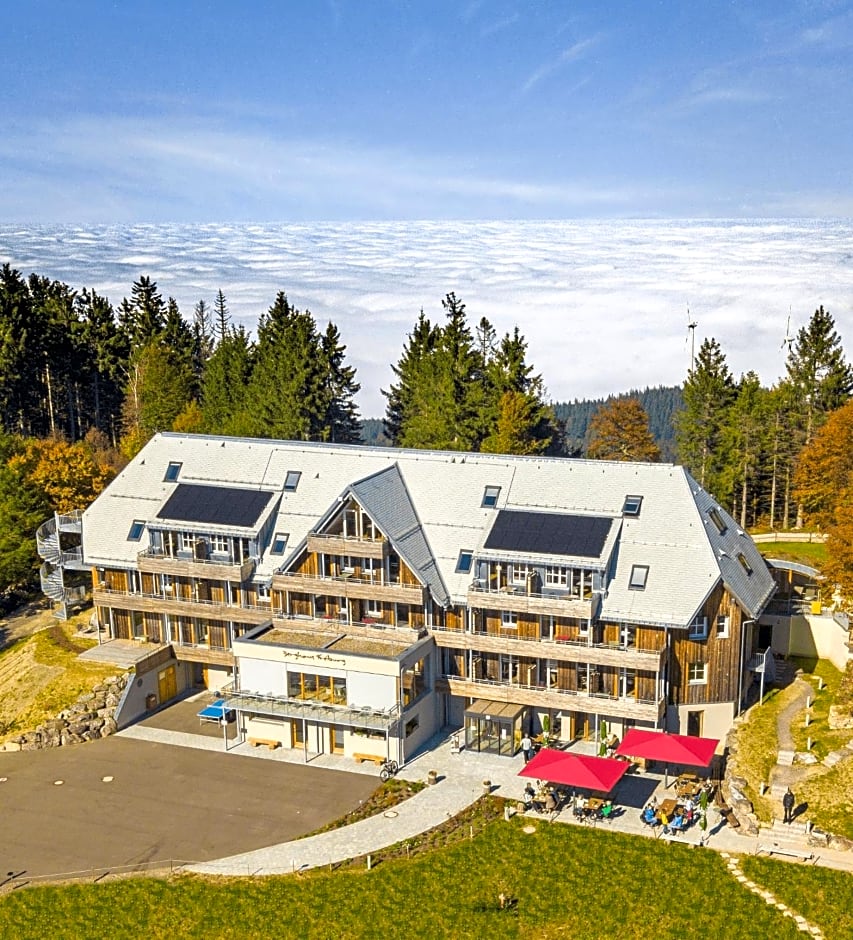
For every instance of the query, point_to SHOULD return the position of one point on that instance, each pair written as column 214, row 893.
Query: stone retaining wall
column 91, row 716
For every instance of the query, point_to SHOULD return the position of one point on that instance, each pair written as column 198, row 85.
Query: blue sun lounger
column 217, row 712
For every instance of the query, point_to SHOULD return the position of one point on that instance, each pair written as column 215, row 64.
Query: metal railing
column 576, row 693
column 12, row 881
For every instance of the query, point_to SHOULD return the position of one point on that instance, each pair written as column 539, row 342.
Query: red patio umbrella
column 668, row 748
column 575, row 770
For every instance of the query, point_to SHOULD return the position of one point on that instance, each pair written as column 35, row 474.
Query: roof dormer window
column 136, row 530
column 291, row 481
column 744, row 563
column 279, row 543
column 464, row 562
column 490, row 497
column 631, row 506
column 173, row 471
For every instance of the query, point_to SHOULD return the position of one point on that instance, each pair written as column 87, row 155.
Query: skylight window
column 632, row 505
column 639, row 576
column 279, row 543
column 747, row 567
column 717, row 519
column 463, row 564
column 136, row 530
column 173, row 471
column 490, row 496
column 292, row 480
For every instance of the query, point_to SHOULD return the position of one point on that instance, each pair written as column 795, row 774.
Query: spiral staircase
column 58, row 560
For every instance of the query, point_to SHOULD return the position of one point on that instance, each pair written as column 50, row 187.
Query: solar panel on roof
column 215, row 505
column 548, row 533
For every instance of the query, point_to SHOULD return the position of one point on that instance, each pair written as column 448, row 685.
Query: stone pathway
column 734, row 869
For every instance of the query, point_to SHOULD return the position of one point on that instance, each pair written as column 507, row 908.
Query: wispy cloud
column 570, row 54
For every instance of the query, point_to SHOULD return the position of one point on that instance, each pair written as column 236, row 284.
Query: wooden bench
column 376, row 758
column 787, row 851
column 265, row 742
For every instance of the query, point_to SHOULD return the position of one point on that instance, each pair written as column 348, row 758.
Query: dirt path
column 25, row 621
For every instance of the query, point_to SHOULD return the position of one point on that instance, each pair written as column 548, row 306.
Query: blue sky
column 300, row 111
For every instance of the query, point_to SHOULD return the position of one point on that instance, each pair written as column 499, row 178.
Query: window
column 136, row 530
column 717, row 519
column 186, row 541
column 697, row 673
column 747, row 567
column 264, row 593
column 464, row 562
column 172, row 472
column 490, row 496
column 639, row 575
column 518, row 574
column 556, row 576
column 699, row 628
column 509, row 620
column 722, row 626
column 631, row 506
column 279, row 543
column 412, row 726
column 219, row 544
column 291, row 481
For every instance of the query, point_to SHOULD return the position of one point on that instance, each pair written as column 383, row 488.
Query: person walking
column 788, row 805
column 527, row 748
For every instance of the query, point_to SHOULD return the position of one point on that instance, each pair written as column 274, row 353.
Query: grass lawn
column 41, row 675
column 812, row 554
column 561, row 881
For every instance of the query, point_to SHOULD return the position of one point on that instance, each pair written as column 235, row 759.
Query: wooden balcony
column 346, row 586
column 519, row 601
column 203, row 654
column 550, row 698
column 597, row 655
column 347, row 545
column 158, row 563
column 180, row 606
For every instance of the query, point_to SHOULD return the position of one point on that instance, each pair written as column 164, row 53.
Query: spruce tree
column 744, row 441
column 420, row 345
column 226, row 378
column 708, row 392
column 340, row 422
column 143, row 316
column 221, row 315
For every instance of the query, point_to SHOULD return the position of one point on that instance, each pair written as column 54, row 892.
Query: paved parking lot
column 161, row 803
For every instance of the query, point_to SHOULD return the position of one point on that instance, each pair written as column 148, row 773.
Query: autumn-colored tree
column 825, row 468
column 68, row 475
column 839, row 544
column 619, row 430
column 518, row 418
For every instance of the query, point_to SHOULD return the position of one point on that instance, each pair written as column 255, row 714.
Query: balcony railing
column 518, row 599
column 155, row 561
column 579, row 650
column 355, row 627
column 180, row 605
column 359, row 547
column 281, row 706
column 600, row 703
column 348, row 585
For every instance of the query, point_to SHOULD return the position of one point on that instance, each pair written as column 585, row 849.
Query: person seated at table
column 606, row 811
column 689, row 810
column 550, row 802
column 664, row 821
column 676, row 824
column 579, row 808
column 650, row 815
column 529, row 794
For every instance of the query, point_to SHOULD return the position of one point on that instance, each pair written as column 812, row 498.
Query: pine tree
column 203, row 338
column 221, row 315
column 619, row 430
column 819, row 376
column 708, row 392
column 285, row 398
column 143, row 316
column 226, row 378
column 744, row 439
column 421, row 343
column 340, row 422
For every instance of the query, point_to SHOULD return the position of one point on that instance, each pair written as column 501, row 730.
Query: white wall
column 264, row 676
column 716, row 718
column 810, row 635
column 371, row 690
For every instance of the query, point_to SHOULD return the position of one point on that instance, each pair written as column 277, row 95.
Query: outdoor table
column 668, row 808
column 594, row 804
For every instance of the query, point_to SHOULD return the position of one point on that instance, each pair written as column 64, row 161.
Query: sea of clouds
column 603, row 305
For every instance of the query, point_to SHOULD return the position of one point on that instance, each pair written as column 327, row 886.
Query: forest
column 84, row 384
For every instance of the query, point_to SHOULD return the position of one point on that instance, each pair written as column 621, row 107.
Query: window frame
column 291, row 480
column 137, row 527
column 461, row 567
column 639, row 578
column 725, row 620
column 717, row 520
column 556, row 576
column 628, row 506
column 173, row 471
column 491, row 495
column 284, row 538
column 509, row 620
column 744, row 563
column 693, row 679
column 698, row 629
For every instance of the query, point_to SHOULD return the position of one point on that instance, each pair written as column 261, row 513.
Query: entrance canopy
column 668, row 748
column 575, row 770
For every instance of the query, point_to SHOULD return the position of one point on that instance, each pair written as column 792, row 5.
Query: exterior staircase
column 57, row 559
